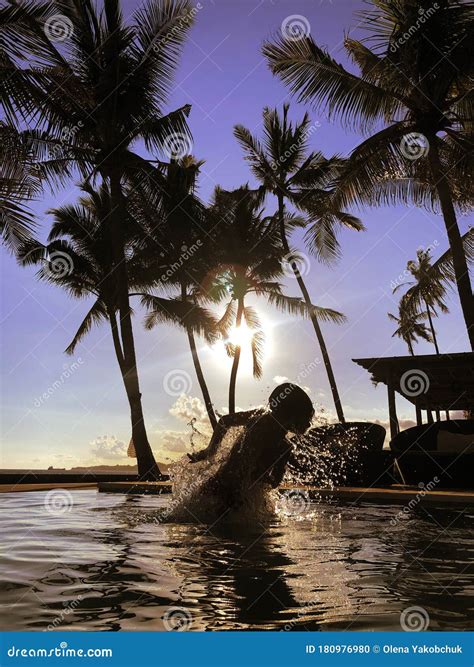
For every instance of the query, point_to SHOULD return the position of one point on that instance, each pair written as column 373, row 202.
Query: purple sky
column 84, row 417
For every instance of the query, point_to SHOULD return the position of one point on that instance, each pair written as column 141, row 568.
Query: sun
column 241, row 336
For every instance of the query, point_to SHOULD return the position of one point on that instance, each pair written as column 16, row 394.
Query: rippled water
column 109, row 563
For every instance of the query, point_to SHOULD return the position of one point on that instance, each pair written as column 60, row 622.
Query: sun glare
column 242, row 336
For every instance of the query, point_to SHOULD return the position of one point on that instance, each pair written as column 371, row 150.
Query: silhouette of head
column 291, row 407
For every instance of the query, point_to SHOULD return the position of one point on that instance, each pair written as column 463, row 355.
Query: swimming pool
column 93, row 561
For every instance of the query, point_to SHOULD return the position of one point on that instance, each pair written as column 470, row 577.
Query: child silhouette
column 261, row 451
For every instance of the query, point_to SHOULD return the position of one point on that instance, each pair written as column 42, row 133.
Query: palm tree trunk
column 147, row 466
column 202, row 381
column 116, row 340
column 314, row 319
column 199, row 372
column 235, row 363
column 410, row 348
column 459, row 258
column 433, row 332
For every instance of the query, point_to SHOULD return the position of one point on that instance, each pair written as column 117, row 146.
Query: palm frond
column 257, row 345
column 96, row 315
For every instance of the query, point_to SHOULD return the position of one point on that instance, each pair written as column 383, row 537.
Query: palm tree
column 19, row 185
column 102, row 90
column 420, row 89
column 251, row 263
column 285, row 168
column 409, row 326
column 78, row 258
column 427, row 292
column 174, row 222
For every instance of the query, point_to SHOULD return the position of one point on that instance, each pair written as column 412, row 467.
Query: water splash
column 203, row 493
column 211, row 490
column 324, row 458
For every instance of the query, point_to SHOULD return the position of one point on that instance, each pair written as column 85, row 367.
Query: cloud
column 108, row 448
column 176, row 442
column 280, row 379
column 186, row 408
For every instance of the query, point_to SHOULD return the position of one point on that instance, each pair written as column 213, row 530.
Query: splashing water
column 325, row 458
column 203, row 492
column 211, row 490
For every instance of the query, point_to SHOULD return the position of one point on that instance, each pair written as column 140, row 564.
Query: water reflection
column 112, row 564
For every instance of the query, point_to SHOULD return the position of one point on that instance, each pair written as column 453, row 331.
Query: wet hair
column 292, row 407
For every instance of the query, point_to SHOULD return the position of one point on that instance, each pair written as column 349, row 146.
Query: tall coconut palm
column 413, row 96
column 251, row 263
column 174, row 221
column 78, row 258
column 431, row 281
column 427, row 291
column 102, row 90
column 286, row 168
column 410, row 326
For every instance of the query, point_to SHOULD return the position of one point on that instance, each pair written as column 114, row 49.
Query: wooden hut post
column 419, row 418
column 392, row 409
